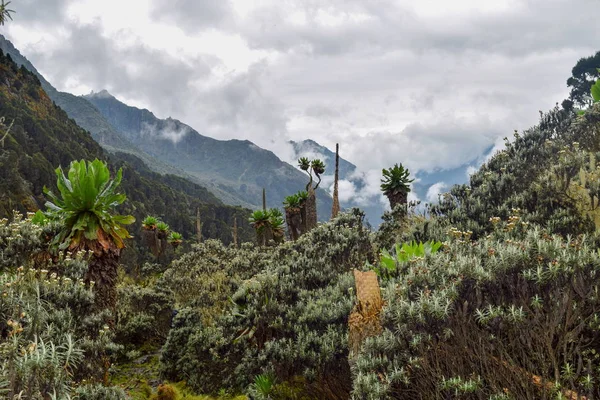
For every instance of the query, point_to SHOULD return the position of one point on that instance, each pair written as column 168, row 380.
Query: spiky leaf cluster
column 395, row 180
column 85, row 207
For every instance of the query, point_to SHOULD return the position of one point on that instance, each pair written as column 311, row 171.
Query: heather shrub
column 512, row 314
column 99, row 392
column 50, row 336
column 208, row 275
column 287, row 321
column 144, row 315
column 517, row 178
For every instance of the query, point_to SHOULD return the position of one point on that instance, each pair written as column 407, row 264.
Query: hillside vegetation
column 43, row 137
column 492, row 293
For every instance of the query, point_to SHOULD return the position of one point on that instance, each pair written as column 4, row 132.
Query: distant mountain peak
column 103, row 94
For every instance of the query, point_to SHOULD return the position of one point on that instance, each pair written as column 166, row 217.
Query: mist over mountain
column 235, row 170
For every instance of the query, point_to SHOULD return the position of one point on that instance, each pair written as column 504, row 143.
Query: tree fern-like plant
column 175, row 239
column 318, row 167
column 260, row 222
column 293, row 206
column 276, row 224
column 395, row 184
column 149, row 223
column 310, row 213
column 85, row 209
column 5, row 12
column 304, row 163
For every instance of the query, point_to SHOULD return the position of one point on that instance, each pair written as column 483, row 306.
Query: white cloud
column 428, row 84
column 435, row 190
column 170, row 131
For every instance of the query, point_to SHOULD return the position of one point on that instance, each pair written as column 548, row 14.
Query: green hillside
column 235, row 170
column 43, row 137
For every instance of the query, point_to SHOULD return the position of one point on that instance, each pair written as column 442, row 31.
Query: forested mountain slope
column 43, row 137
column 236, row 170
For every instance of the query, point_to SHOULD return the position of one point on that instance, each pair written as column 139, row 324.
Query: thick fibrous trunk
column 293, row 220
column 264, row 235
column 235, row 232
column 103, row 271
column 149, row 236
column 336, row 202
column 397, row 198
column 303, row 218
column 311, row 209
column 198, row 226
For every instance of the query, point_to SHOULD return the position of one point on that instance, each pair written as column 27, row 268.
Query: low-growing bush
column 512, row 314
column 50, row 334
column 289, row 320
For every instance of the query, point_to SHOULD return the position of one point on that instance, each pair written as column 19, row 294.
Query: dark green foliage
column 509, row 182
column 315, row 166
column 210, row 273
column 43, row 138
column 5, row 12
column 395, row 185
column 292, row 201
column 395, row 179
column 491, row 314
column 85, row 207
column 144, row 316
column 584, row 74
column 268, row 225
column 498, row 311
column 50, row 333
column 304, row 163
column 289, row 319
column 99, row 392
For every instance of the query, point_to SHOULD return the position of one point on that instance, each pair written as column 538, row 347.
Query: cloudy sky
column 429, row 83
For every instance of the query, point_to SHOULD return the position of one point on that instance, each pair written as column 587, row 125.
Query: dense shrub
column 517, row 178
column 208, row 275
column 496, row 313
column 288, row 320
column 50, row 335
column 144, row 315
column 99, row 392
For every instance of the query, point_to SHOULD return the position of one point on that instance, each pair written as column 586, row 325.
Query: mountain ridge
column 207, row 159
column 43, row 137
column 227, row 180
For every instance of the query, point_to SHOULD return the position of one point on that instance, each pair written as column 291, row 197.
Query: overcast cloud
column 429, row 84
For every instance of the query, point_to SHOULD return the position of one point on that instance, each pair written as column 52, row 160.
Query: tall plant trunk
column 151, row 241
column 303, row 219
column 264, row 235
column 264, row 199
column 335, row 209
column 161, row 237
column 311, row 209
column 103, row 271
column 397, row 198
column 293, row 220
column 198, row 226
column 235, row 232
